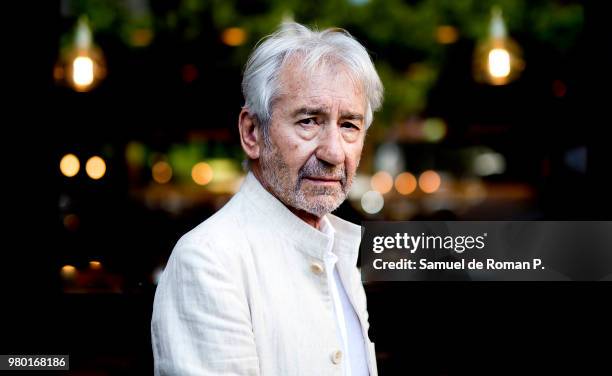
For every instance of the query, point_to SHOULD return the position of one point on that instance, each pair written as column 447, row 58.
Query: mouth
column 322, row 180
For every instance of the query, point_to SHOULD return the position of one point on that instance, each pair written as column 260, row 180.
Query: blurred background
column 494, row 110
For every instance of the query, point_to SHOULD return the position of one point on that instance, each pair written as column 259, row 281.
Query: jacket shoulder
column 221, row 234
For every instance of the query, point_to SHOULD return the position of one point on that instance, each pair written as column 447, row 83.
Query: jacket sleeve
column 201, row 321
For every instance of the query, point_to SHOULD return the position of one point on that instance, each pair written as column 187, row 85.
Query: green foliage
column 400, row 34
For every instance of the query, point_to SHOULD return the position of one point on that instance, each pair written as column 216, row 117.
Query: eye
column 348, row 125
column 308, row 121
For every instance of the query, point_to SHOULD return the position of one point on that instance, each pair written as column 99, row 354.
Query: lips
column 323, row 179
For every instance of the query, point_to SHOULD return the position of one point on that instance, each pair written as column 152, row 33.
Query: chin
column 321, row 206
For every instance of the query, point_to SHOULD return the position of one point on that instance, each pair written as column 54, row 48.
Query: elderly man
column 269, row 285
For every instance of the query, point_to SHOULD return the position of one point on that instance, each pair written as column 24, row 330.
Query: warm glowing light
column 69, row 165
column 446, row 34
column 372, row 202
column 382, row 182
column 405, row 183
column 233, row 36
column 474, row 191
column 95, row 265
column 71, row 222
column 95, row 167
column 68, row 272
column 497, row 59
column 499, row 63
column 429, row 181
column 81, row 64
column 162, row 172
column 202, row 173
column 83, row 71
column 141, row 37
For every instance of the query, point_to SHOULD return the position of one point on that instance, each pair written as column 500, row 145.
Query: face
column 316, row 134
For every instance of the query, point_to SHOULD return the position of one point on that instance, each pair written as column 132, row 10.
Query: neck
column 309, row 218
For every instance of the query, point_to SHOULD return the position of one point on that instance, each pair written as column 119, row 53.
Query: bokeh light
column 489, row 163
column 68, row 272
column 162, row 172
column 405, row 183
column 70, row 165
column 429, row 181
column 382, row 182
column 95, row 167
column 372, row 202
column 82, row 72
column 446, row 34
column 499, row 63
column 202, row 173
column 434, row 130
column 233, row 36
column 71, row 222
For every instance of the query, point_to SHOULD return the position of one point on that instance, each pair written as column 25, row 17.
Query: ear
column 250, row 134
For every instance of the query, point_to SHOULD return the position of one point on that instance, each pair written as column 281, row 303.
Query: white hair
column 261, row 86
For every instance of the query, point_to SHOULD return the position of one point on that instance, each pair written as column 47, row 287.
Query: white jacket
column 243, row 294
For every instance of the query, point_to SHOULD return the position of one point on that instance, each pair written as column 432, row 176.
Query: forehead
column 327, row 84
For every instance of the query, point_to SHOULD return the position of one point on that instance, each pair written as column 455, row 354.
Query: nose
column 331, row 147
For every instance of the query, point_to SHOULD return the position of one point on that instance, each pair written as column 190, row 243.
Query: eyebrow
column 310, row 111
column 351, row 116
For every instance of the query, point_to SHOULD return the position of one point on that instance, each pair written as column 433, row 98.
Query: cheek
column 353, row 155
column 296, row 153
column 288, row 145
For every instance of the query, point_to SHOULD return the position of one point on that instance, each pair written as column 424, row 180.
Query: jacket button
column 316, row 268
column 336, row 357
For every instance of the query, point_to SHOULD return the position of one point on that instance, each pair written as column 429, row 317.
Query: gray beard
column 317, row 201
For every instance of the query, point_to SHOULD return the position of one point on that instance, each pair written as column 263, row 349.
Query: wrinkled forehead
column 329, row 77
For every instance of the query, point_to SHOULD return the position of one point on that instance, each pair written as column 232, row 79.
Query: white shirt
column 349, row 327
